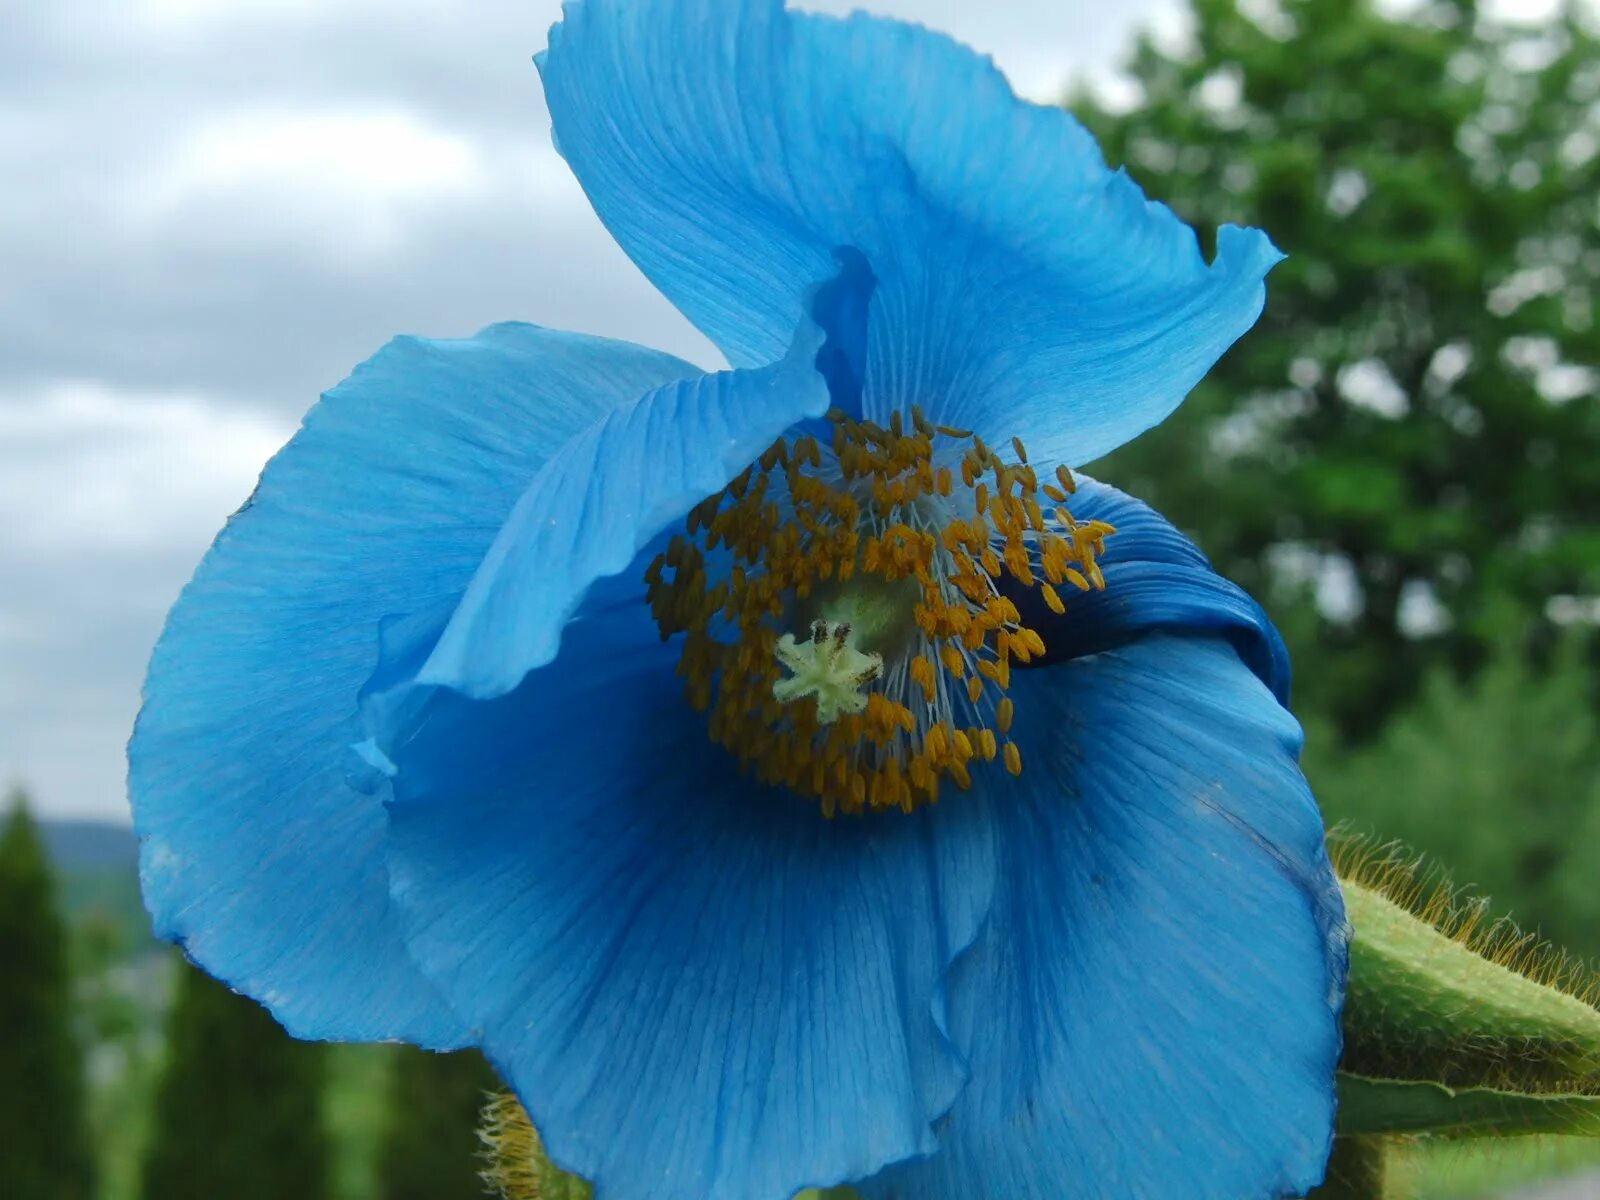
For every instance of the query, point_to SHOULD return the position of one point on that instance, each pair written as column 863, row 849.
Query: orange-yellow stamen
column 900, row 578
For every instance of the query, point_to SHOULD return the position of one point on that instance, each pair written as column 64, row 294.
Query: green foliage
column 120, row 988
column 356, row 1106
column 432, row 1151
column 1405, row 410
column 47, row 1155
column 1498, row 777
column 238, row 1109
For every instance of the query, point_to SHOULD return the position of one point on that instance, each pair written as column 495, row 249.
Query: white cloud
column 197, row 20
column 90, row 470
column 383, row 152
column 107, row 500
column 357, row 177
column 180, row 15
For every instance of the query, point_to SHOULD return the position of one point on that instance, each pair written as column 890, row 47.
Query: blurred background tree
column 1404, row 450
column 1400, row 460
column 1496, row 777
column 431, row 1150
column 42, row 1116
column 238, row 1112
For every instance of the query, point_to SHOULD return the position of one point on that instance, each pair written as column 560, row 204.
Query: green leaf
column 1409, row 1106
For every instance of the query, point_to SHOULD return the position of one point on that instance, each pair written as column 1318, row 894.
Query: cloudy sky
column 211, row 210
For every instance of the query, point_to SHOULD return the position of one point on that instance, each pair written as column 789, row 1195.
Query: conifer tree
column 432, row 1150
column 239, row 1106
column 42, row 1122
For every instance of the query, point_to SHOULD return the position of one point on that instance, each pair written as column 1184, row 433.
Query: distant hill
column 97, row 870
column 90, row 845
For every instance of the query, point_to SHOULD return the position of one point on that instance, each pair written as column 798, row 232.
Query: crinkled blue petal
column 1021, row 286
column 595, row 504
column 701, row 989
column 1152, row 1009
column 1156, row 579
column 256, row 853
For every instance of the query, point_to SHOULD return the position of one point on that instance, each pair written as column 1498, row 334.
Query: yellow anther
column 1017, row 563
column 1013, row 758
column 996, row 670
column 952, row 660
column 1004, row 713
column 864, row 527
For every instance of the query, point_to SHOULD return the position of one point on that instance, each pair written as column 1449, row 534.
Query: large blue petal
column 1153, row 1007
column 701, row 989
column 608, row 492
column 256, row 854
column 1022, row 287
column 1156, row 579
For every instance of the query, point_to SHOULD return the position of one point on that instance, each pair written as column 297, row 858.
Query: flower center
column 845, row 608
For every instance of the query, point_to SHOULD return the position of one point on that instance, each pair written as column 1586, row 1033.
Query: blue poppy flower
column 786, row 777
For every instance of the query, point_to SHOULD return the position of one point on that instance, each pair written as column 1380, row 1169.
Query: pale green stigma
column 829, row 669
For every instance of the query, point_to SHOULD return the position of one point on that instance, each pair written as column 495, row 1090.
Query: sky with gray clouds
column 213, row 209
